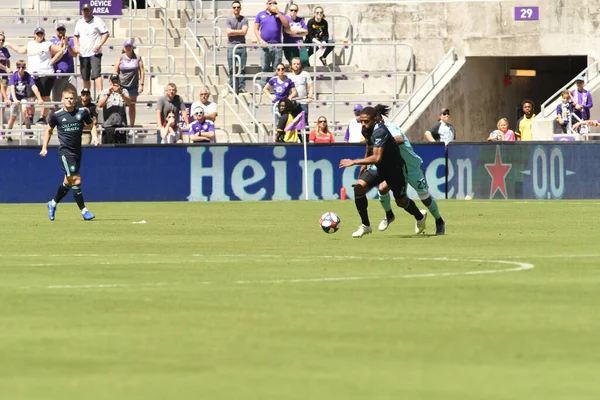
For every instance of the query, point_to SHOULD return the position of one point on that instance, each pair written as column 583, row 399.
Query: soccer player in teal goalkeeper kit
column 415, row 177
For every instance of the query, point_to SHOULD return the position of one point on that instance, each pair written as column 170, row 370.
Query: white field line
column 519, row 266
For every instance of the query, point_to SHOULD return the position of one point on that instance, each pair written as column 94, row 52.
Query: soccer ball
column 498, row 136
column 330, row 222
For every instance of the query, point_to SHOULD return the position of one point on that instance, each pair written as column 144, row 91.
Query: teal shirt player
column 70, row 128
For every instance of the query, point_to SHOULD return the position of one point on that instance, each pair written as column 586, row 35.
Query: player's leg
column 367, row 180
column 386, row 204
column 397, row 183
column 75, row 182
column 416, row 179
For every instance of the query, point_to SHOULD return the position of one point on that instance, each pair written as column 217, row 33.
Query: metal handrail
column 594, row 67
column 431, row 77
column 200, row 64
column 257, row 125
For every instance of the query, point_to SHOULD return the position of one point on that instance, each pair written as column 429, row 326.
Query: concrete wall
column 565, row 27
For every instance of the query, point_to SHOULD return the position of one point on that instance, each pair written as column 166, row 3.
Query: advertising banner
column 555, row 170
column 199, row 172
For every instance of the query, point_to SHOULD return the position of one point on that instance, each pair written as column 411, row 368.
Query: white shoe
column 420, row 225
column 383, row 225
column 362, row 231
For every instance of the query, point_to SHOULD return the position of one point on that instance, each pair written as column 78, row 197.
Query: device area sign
column 527, row 13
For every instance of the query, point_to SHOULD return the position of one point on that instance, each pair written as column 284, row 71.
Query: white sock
column 53, row 203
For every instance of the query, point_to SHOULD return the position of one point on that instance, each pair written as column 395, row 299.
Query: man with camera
column 114, row 102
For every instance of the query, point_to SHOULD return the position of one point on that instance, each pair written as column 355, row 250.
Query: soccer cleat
column 362, row 231
column 41, row 121
column 88, row 216
column 420, row 224
column 440, row 227
column 383, row 225
column 51, row 211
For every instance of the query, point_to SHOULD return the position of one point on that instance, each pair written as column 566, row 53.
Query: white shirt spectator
column 90, row 34
column 208, row 108
column 354, row 131
column 39, row 56
column 301, row 80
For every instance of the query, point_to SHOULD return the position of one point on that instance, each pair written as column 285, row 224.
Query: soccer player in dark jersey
column 70, row 123
column 383, row 152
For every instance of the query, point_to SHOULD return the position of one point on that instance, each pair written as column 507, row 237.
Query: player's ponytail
column 382, row 111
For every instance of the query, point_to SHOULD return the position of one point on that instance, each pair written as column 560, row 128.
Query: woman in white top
column 40, row 57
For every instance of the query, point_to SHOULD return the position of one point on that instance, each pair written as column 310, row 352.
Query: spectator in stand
column 4, row 59
column 523, row 131
column 171, row 101
column 283, row 88
column 113, row 102
column 287, row 111
column 237, row 27
column 294, row 33
column 130, row 68
column 268, row 27
column 354, row 129
column 170, row 133
column 20, row 83
column 4, row 69
column 318, row 33
column 90, row 34
column 564, row 111
column 201, row 130
column 304, row 85
column 209, row 107
column 64, row 65
column 582, row 100
column 321, row 133
column 441, row 131
column 589, row 122
column 86, row 101
column 502, row 134
column 40, row 56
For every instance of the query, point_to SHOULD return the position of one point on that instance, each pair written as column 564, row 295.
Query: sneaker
column 51, row 211
column 440, row 227
column 362, row 231
column 88, row 216
column 420, row 225
column 383, row 225
column 41, row 121
column 324, row 61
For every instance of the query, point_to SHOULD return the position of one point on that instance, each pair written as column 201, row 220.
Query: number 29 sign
column 527, row 13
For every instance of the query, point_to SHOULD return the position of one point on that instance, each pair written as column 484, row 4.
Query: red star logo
column 498, row 172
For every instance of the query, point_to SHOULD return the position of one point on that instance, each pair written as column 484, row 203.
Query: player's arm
column 46, row 140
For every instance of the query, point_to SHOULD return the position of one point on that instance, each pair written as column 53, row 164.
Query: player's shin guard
column 432, row 206
column 412, row 209
column 61, row 192
column 361, row 205
column 386, row 204
column 78, row 196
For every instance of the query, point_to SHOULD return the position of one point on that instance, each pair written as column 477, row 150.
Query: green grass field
column 253, row 301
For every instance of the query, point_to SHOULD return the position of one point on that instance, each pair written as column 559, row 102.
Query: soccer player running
column 415, row 178
column 71, row 122
column 381, row 151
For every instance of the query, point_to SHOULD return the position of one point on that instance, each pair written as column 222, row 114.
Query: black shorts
column 90, row 67
column 70, row 163
column 45, row 84
column 394, row 178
